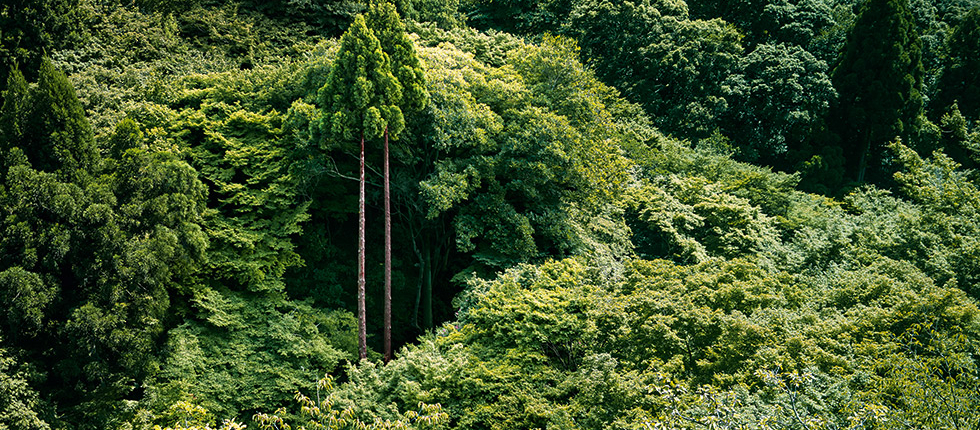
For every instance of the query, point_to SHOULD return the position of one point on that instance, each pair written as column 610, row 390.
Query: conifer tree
column 384, row 22
column 960, row 82
column 879, row 80
column 387, row 26
column 360, row 99
column 13, row 114
column 91, row 249
column 48, row 124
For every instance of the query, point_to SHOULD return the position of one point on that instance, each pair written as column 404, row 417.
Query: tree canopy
column 625, row 215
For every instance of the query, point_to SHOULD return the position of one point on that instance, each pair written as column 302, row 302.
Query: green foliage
column 239, row 147
column 361, row 97
column 181, row 257
column 941, row 237
column 444, row 14
column 405, row 66
column 658, row 57
column 778, row 96
column 514, row 163
column 691, row 219
column 249, row 353
column 490, row 47
column 558, row 343
column 931, row 382
column 31, row 29
column 331, row 16
column 796, row 22
column 323, row 414
column 93, row 248
column 241, row 344
column 48, row 125
column 960, row 138
column 516, row 16
column 20, row 405
column 135, row 56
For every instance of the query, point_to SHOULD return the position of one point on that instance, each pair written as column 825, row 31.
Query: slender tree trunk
column 387, row 328
column 421, row 265
column 863, row 160
column 361, row 281
column 427, row 289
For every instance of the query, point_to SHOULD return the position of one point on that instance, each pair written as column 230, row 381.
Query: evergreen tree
column 361, row 98
column 384, row 22
column 91, row 250
column 52, row 129
column 405, row 65
column 960, row 82
column 879, row 80
column 13, row 114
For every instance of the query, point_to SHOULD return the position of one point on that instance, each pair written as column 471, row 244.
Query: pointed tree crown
column 880, row 73
column 383, row 20
column 48, row 123
column 960, row 81
column 13, row 114
column 361, row 97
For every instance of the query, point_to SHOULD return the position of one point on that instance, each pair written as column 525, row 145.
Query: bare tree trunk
column 863, row 161
column 387, row 322
column 427, row 290
column 361, row 281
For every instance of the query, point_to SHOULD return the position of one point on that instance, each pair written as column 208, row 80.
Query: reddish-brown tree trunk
column 387, row 328
column 361, row 281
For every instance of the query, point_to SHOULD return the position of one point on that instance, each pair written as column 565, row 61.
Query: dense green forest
column 632, row 214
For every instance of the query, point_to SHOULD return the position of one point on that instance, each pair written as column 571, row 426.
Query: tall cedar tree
column 960, row 82
column 387, row 26
column 360, row 99
column 14, row 114
column 879, row 79
column 51, row 127
column 90, row 248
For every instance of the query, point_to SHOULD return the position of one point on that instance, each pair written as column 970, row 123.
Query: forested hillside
column 587, row 214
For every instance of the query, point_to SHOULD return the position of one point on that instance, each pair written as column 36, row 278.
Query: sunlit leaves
column 529, row 146
column 19, row 403
column 717, row 342
column 246, row 355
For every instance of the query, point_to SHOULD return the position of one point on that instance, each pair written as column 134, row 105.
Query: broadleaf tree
column 93, row 249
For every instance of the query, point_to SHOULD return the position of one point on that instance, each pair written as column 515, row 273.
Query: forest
column 489, row 214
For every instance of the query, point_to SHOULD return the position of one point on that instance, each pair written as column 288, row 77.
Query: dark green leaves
column 778, row 96
column 93, row 249
column 960, row 81
column 879, row 79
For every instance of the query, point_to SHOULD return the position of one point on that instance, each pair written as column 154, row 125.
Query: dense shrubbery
column 177, row 218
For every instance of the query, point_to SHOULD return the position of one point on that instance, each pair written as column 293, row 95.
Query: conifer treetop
column 361, row 97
